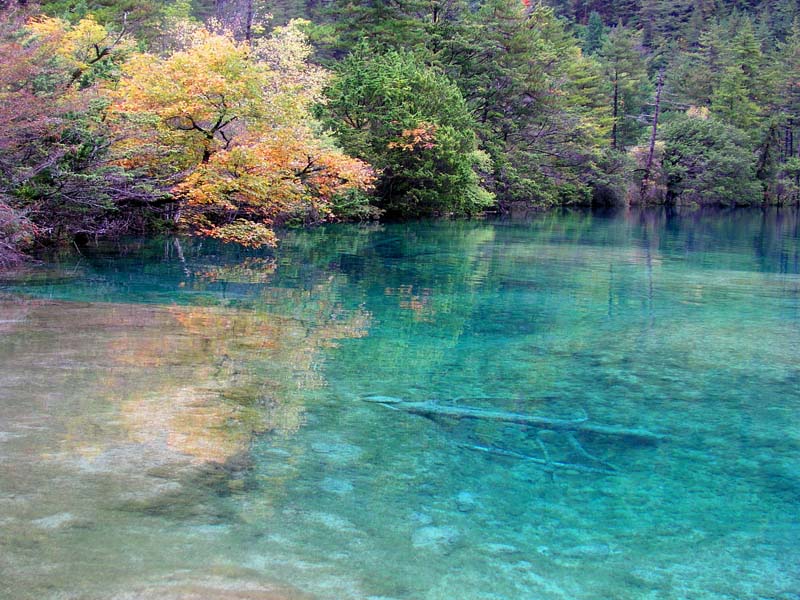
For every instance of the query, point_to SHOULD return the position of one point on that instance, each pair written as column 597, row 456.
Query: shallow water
column 185, row 420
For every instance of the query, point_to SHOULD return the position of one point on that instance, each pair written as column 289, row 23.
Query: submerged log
column 550, row 465
column 432, row 409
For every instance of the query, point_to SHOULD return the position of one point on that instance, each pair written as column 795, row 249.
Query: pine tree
column 788, row 96
column 536, row 99
column 743, row 87
column 626, row 72
column 731, row 100
column 595, row 34
column 409, row 24
column 695, row 74
column 664, row 20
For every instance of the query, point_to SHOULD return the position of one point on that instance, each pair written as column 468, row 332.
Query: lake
column 340, row 418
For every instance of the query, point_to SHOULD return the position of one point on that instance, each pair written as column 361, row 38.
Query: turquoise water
column 180, row 419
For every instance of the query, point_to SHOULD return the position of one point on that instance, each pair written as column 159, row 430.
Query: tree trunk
column 616, row 113
column 248, row 25
column 651, row 152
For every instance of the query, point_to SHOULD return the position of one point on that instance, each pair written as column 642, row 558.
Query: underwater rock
column 58, row 521
column 132, row 458
column 587, row 551
column 334, row 522
column 499, row 549
column 336, row 486
column 650, row 577
column 174, row 500
column 280, row 452
column 466, row 502
column 337, row 452
column 437, row 538
column 154, row 495
column 421, row 518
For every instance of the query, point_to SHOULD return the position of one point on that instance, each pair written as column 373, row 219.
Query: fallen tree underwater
column 582, row 424
column 566, row 426
column 606, row 469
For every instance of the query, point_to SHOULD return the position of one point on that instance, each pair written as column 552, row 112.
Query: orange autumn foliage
column 422, row 137
column 228, row 128
column 240, row 193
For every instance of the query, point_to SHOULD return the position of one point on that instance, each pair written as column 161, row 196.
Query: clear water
column 185, row 420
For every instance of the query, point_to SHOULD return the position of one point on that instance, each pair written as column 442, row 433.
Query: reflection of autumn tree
column 248, row 270
column 196, row 381
column 249, row 372
column 420, row 301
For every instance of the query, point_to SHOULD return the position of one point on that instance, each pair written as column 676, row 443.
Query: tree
column 55, row 182
column 626, row 73
column 708, row 162
column 731, row 100
column 87, row 50
column 663, row 21
column 423, row 25
column 788, row 86
column 594, row 34
column 695, row 74
column 538, row 102
column 412, row 123
column 226, row 127
column 743, row 89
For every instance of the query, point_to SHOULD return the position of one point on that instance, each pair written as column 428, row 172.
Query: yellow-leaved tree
column 86, row 50
column 227, row 127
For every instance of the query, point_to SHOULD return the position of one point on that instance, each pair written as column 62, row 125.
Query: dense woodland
column 229, row 118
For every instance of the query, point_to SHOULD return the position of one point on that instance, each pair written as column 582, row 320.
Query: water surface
column 181, row 419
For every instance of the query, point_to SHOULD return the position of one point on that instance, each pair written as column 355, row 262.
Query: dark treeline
column 403, row 109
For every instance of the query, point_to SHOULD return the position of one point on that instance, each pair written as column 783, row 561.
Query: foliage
column 706, row 160
column 594, row 34
column 539, row 102
column 412, row 123
column 226, row 127
column 54, row 182
column 118, row 114
column 625, row 70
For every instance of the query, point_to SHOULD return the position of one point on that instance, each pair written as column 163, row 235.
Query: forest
column 234, row 118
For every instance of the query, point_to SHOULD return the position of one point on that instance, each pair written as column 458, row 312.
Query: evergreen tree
column 707, row 161
column 594, row 34
column 731, row 101
column 664, row 20
column 743, row 86
column 412, row 123
column 407, row 24
column 695, row 74
column 523, row 80
column 626, row 73
column 788, row 77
